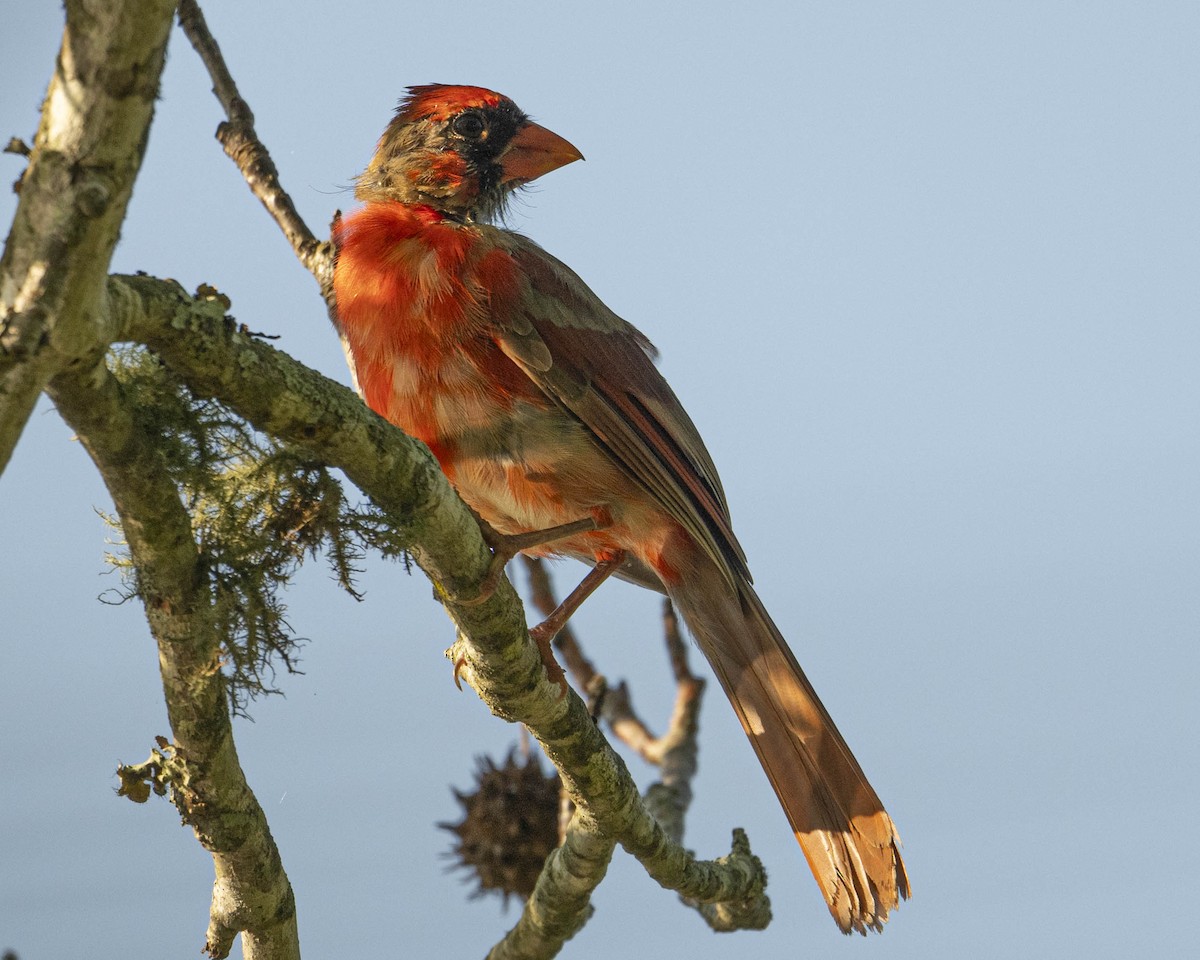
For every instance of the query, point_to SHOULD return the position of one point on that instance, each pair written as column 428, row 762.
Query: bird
column 548, row 415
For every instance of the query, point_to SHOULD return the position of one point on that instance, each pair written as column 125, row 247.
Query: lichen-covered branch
column 282, row 397
column 73, row 194
column 676, row 750
column 598, row 779
column 285, row 399
column 58, row 318
column 561, row 902
column 251, row 893
column 54, row 330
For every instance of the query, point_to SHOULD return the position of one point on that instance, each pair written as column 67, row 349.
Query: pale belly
column 523, row 463
column 534, row 488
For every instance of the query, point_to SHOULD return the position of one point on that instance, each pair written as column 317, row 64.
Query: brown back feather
column 601, row 369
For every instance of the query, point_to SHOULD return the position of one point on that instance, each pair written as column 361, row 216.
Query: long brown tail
column 847, row 837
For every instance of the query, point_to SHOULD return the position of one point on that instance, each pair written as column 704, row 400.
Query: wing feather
column 601, row 368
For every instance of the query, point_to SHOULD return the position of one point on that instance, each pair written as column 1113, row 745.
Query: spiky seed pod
column 509, row 826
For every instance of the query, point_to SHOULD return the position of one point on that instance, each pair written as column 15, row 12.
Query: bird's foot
column 545, row 632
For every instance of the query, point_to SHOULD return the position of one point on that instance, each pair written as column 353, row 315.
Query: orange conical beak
column 535, row 151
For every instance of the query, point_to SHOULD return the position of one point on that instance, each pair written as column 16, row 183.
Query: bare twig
column 541, row 592
column 676, row 646
column 614, row 703
column 242, row 145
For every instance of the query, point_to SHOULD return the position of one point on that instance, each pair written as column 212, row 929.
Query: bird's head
column 461, row 150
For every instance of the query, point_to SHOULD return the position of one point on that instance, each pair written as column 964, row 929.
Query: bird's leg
column 505, row 546
column 548, row 629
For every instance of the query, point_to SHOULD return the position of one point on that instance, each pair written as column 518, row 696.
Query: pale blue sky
column 925, row 276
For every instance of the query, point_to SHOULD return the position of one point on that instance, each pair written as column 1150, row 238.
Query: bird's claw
column 491, row 579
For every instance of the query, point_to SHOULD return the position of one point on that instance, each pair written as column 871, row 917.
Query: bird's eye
column 469, row 125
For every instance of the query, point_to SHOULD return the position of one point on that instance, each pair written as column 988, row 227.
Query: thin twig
column 541, row 593
column 247, row 151
column 617, row 704
column 614, row 703
column 676, row 647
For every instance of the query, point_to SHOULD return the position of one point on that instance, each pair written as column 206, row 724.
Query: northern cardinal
column 544, row 407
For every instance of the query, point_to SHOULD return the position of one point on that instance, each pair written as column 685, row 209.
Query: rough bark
column 74, row 193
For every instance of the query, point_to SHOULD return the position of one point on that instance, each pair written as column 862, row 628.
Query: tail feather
column 847, row 837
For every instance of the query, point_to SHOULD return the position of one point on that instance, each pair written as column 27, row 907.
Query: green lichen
column 259, row 508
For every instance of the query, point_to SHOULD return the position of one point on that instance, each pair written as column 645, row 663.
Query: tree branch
column 87, row 153
column 675, row 752
column 280, row 396
column 241, row 144
column 561, row 901
column 251, row 893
